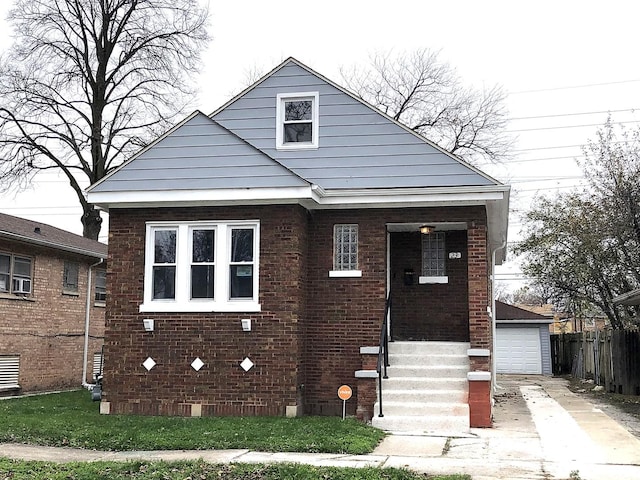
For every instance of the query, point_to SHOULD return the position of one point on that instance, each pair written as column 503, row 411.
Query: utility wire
column 573, row 87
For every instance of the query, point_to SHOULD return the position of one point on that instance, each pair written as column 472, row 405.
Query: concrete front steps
column 427, row 389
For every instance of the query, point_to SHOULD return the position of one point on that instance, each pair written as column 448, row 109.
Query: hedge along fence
column 611, row 358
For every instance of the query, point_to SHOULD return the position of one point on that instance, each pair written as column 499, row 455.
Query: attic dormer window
column 297, row 121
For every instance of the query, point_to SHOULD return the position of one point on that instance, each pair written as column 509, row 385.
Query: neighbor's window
column 15, row 274
column 101, row 286
column 70, row 277
column 201, row 266
column 297, row 121
column 433, row 255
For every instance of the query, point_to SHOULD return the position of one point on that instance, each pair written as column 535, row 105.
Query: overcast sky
column 567, row 63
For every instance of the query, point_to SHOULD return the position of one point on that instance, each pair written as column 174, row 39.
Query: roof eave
column 55, row 245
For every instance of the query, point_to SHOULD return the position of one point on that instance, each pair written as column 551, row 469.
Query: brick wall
column 221, row 387
column 345, row 313
column 46, row 328
column 305, row 342
column 437, row 312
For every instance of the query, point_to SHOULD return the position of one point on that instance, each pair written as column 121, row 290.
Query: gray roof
column 506, row 313
column 37, row 233
column 359, row 147
column 199, row 154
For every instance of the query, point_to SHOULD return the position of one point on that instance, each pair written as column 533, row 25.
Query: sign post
column 344, row 394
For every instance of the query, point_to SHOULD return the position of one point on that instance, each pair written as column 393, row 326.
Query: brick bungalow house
column 52, row 286
column 252, row 251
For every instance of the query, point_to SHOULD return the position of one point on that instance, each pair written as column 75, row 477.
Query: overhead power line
column 574, row 114
column 573, row 87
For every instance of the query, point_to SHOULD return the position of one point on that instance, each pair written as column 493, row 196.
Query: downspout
column 494, row 384
column 85, row 357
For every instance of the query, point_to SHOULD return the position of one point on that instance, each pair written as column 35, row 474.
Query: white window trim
column 183, row 302
column 439, row 279
column 345, row 273
column 315, row 116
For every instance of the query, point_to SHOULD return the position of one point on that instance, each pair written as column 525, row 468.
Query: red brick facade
column 46, row 328
column 305, row 341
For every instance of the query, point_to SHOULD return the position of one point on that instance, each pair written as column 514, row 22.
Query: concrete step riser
column 437, row 425
column 428, row 360
column 422, row 409
column 425, row 384
column 422, row 396
column 428, row 348
column 460, row 372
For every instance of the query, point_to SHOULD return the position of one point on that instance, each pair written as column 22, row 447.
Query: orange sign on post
column 344, row 394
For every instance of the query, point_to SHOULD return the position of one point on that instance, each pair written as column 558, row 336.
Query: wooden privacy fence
column 610, row 357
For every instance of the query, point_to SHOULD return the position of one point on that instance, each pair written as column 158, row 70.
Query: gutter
column 88, row 386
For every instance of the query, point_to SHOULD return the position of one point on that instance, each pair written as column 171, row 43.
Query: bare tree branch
column 427, row 95
column 116, row 72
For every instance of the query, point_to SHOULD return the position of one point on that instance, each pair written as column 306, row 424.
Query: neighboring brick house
column 44, row 307
column 251, row 253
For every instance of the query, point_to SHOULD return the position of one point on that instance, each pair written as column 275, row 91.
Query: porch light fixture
column 426, row 229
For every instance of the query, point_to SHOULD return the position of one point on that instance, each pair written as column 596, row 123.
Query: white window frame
column 281, row 98
column 344, row 273
column 222, row 288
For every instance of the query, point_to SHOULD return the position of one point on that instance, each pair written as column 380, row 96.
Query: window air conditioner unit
column 21, row 285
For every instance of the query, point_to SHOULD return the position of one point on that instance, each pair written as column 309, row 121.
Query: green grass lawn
column 71, row 419
column 199, row 470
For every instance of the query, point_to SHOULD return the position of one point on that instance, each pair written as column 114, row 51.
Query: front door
column 429, row 288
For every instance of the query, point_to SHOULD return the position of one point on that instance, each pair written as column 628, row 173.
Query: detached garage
column 522, row 341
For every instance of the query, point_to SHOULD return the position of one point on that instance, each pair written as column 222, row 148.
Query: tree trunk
column 91, row 222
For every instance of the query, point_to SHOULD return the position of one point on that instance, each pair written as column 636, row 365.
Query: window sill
column 427, row 280
column 204, row 307
column 11, row 296
column 100, row 304
column 345, row 273
column 70, row 293
column 297, row 146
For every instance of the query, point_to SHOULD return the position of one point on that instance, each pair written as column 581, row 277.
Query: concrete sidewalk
column 542, row 431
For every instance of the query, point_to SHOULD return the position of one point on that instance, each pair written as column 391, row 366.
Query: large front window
column 15, row 274
column 201, row 266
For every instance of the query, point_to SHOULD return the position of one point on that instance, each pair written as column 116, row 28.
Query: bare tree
column 87, row 82
column 428, row 96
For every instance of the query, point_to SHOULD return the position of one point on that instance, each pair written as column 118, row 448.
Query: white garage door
column 518, row 350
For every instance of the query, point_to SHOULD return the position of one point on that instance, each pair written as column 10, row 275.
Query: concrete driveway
column 541, row 431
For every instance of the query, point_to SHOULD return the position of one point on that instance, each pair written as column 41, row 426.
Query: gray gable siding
column 358, row 147
column 199, row 155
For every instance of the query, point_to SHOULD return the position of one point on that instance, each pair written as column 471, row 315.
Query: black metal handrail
column 383, row 352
